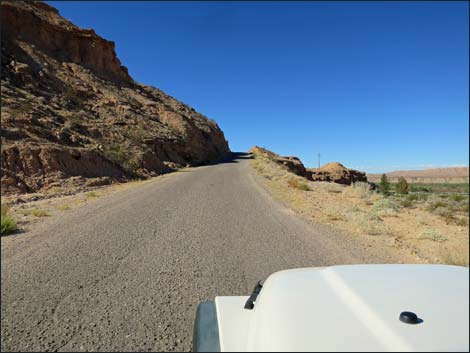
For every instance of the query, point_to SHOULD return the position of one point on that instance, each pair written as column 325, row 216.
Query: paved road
column 126, row 271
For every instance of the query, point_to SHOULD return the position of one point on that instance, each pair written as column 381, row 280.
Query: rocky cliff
column 70, row 110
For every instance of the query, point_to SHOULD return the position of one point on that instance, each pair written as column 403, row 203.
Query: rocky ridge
column 332, row 172
column 71, row 114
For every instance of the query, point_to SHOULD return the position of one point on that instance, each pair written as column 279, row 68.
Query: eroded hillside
column 72, row 115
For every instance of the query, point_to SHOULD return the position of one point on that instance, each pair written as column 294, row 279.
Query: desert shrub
column 334, row 213
column 367, row 222
column 384, row 185
column 91, row 194
column 72, row 97
column 412, row 197
column 445, row 213
column 433, row 235
column 359, row 190
column 4, row 210
column 295, row 183
column 63, row 207
column 8, row 224
column 385, row 207
column 406, row 203
column 124, row 156
column 417, row 197
column 433, row 205
column 415, row 187
column 136, row 134
column 462, row 222
column 38, row 212
column 465, row 207
column 402, row 186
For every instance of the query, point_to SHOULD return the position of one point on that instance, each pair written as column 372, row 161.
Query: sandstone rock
column 293, row 164
column 71, row 112
column 337, row 173
column 331, row 172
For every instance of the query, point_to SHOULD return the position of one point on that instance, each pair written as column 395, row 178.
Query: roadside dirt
column 412, row 233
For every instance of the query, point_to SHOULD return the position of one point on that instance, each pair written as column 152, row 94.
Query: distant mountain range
column 433, row 175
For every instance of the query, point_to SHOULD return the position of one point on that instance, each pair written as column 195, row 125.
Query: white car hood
column 355, row 308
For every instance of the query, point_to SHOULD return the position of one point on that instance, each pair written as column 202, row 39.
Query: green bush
column 458, row 198
column 385, row 207
column 402, row 186
column 433, row 235
column 384, row 204
column 124, row 156
column 417, row 197
column 384, row 186
column 8, row 224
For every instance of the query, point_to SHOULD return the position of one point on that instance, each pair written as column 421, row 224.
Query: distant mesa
column 432, row 175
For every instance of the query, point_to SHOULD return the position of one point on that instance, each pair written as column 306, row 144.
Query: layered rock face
column 70, row 110
column 332, row 172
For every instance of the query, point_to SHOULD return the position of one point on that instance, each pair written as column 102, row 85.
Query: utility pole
column 318, row 160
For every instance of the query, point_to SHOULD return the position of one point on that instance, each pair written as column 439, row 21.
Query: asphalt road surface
column 126, row 271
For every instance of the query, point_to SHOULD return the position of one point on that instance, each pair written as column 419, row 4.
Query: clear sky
column 375, row 85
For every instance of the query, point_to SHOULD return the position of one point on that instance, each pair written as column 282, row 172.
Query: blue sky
column 375, row 85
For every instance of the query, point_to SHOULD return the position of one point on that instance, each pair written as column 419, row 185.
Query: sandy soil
column 376, row 220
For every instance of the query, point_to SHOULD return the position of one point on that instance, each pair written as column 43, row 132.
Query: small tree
column 402, row 186
column 384, row 186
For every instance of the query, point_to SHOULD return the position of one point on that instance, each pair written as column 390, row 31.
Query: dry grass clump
column 91, row 194
column 406, row 203
column 368, row 222
column 451, row 258
column 296, row 183
column 8, row 224
column 39, row 212
column 63, row 207
column 448, row 208
column 433, row 235
column 335, row 213
column 358, row 190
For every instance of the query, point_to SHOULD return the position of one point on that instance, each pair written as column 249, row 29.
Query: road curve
column 126, row 271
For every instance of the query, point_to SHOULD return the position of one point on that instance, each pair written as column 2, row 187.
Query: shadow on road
column 233, row 157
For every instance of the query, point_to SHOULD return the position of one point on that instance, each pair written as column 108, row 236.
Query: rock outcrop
column 293, row 164
column 332, row 172
column 70, row 110
column 337, row 173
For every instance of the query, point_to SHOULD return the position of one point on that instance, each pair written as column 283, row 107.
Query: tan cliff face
column 70, row 111
column 40, row 25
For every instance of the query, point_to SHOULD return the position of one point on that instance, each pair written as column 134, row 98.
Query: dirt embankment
column 426, row 228
column 72, row 116
column 332, row 172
